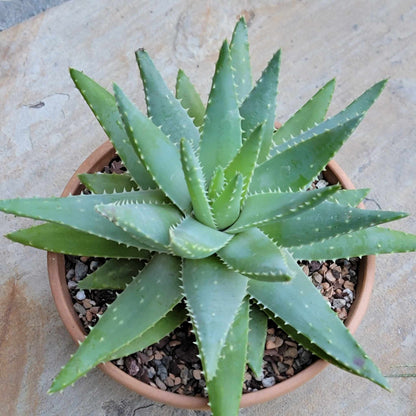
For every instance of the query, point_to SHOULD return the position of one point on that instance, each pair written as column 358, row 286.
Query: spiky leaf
column 100, row 183
column 226, row 207
column 256, row 339
column 217, row 183
column 298, row 165
column 193, row 240
column 260, row 105
column 301, row 306
column 148, row 223
column 162, row 107
column 103, row 105
column 114, row 274
column 189, row 98
column 306, row 117
column 196, row 184
column 214, row 295
column 271, row 206
column 159, row 155
column 150, row 296
column 79, row 212
column 375, row 240
column 240, row 60
column 225, row 389
column 324, row 221
column 65, row 240
column 221, row 132
column 253, row 254
column 350, row 197
column 246, row 159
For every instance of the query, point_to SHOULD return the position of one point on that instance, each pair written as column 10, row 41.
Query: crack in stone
column 141, row 408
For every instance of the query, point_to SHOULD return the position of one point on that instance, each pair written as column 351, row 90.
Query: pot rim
column 57, row 280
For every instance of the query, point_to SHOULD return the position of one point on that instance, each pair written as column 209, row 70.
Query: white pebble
column 80, row 295
column 268, row 381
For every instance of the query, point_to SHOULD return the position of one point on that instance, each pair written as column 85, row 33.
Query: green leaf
column 193, row 240
column 189, row 98
column 308, row 116
column 324, row 221
column 246, row 159
column 298, row 165
column 114, row 274
column 65, row 240
column 100, row 183
column 163, row 327
column 260, row 105
column 356, row 110
column 162, row 107
column 103, row 105
column 375, row 240
column 159, row 155
column 256, row 339
column 226, row 207
column 298, row 304
column 217, row 183
column 221, row 132
column 79, row 212
column 254, row 255
column 271, row 206
column 150, row 296
column 350, row 197
column 225, row 389
column 148, row 223
column 240, row 60
column 196, row 184
column 214, row 295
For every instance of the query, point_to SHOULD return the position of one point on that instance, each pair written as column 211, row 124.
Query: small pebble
column 197, row 374
column 89, row 316
column 151, row 372
column 79, row 308
column 268, row 381
column 80, row 295
column 169, row 382
column 94, row 265
column 317, row 277
column 72, row 284
column 338, row 303
column 160, row 383
column 184, row 375
column 291, row 352
column 132, row 367
column 329, row 276
column 322, row 183
column 162, row 372
column 81, row 270
column 70, row 274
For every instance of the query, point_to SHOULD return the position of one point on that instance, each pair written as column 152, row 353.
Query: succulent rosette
column 217, row 203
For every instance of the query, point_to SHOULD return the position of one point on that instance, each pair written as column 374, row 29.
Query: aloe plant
column 215, row 203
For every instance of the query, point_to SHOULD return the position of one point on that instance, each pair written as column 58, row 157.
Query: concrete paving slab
column 46, row 131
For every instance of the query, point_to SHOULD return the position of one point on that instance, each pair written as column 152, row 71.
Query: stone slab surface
column 16, row 11
column 46, row 131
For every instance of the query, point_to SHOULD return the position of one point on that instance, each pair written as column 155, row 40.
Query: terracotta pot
column 56, row 268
